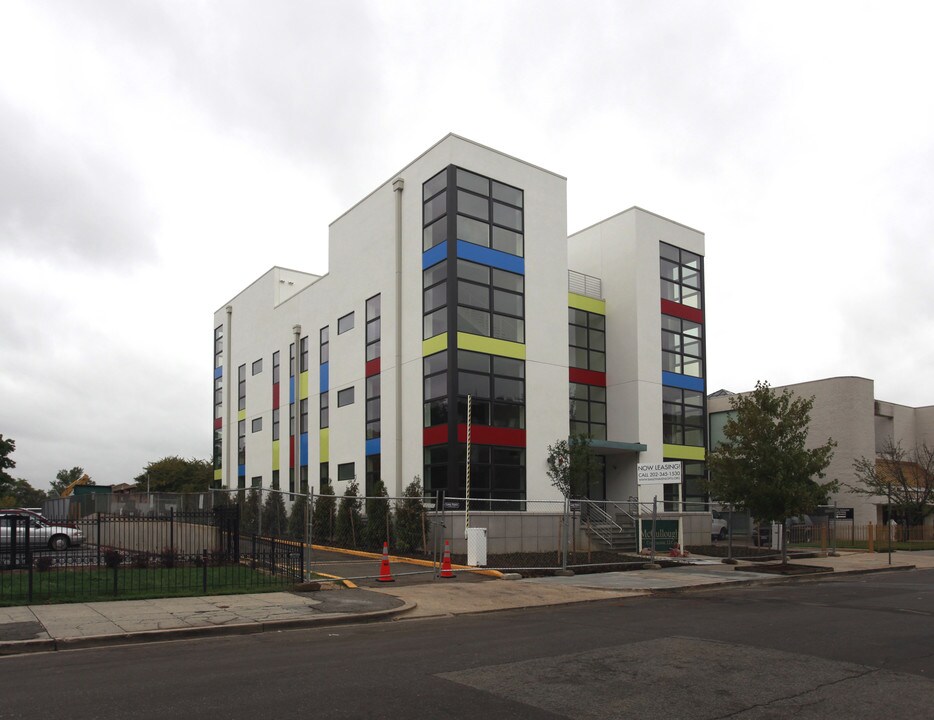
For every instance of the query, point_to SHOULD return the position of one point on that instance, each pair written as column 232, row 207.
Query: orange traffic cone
column 446, row 571
column 384, row 574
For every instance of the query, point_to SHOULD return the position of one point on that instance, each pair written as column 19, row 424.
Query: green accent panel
column 275, row 454
column 491, row 346
column 683, row 452
column 219, row 474
column 241, row 415
column 435, row 344
column 303, row 385
column 324, row 438
column 582, row 302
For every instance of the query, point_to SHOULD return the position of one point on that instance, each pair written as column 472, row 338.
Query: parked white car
column 42, row 532
column 718, row 528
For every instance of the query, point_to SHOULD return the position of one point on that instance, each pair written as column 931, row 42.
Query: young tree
column 763, row 465
column 378, row 520
column 410, row 517
column 905, row 477
column 21, row 494
column 297, row 519
column 322, row 520
column 572, row 466
column 349, row 518
column 7, row 446
column 64, row 478
column 176, row 474
column 274, row 518
column 249, row 512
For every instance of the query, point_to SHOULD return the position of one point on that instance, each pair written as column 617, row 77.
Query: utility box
column 476, row 547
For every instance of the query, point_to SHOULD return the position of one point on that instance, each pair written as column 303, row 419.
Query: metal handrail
column 604, row 518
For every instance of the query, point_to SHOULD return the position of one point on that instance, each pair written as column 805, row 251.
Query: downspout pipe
column 296, row 395
column 397, row 187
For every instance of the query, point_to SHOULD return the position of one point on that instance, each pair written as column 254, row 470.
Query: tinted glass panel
column 436, row 386
column 597, row 361
column 508, row 367
column 508, row 216
column 345, row 323
column 470, row 204
column 473, row 271
column 507, row 194
column 473, row 182
column 372, row 307
column 473, row 321
column 435, row 274
column 435, row 185
column 577, row 358
column 372, row 330
column 509, row 389
column 436, row 297
column 436, row 323
column 508, row 280
column 507, row 241
column 474, row 362
column 435, row 208
column 435, row 234
column 669, row 251
column 473, row 231
column 597, row 394
column 473, row 384
column 510, row 416
column 476, row 295
column 372, row 350
column 597, row 322
column 506, row 302
column 508, row 328
column 372, row 386
column 577, row 317
column 436, row 363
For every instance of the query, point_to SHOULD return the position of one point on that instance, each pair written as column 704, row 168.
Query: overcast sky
column 155, row 158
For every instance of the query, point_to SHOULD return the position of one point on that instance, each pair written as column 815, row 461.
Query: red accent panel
column 485, row 435
column 587, row 377
column 372, row 367
column 275, row 396
column 218, row 423
column 435, row 435
column 682, row 311
column 291, row 451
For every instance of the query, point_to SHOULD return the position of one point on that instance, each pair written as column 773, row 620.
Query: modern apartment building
column 453, row 279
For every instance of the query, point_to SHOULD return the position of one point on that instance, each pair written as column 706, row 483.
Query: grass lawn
column 64, row 585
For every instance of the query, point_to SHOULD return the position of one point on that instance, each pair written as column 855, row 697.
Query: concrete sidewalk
column 39, row 628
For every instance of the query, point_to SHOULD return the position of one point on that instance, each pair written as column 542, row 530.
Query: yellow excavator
column 83, row 480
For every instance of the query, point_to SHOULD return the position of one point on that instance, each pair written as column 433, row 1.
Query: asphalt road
column 860, row 647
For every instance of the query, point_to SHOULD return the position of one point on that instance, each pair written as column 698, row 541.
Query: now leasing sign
column 658, row 473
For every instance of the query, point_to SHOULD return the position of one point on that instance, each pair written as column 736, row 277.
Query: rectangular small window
column 257, row 424
column 345, row 397
column 345, row 471
column 258, row 366
column 256, row 481
column 345, row 323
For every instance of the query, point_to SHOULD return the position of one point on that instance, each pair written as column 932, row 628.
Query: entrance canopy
column 612, row 447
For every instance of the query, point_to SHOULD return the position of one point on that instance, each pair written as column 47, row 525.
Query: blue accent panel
column 218, row 372
column 323, row 378
column 303, row 449
column 241, row 469
column 435, row 255
column 682, row 381
column 372, row 446
column 291, row 389
column 493, row 258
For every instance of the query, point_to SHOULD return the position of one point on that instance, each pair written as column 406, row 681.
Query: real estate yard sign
column 666, row 534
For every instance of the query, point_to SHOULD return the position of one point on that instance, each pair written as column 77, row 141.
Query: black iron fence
column 107, row 556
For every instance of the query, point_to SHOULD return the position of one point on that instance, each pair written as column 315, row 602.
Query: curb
column 403, row 559
column 780, row 579
column 18, row 647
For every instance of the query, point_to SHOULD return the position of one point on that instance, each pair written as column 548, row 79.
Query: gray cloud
column 63, row 199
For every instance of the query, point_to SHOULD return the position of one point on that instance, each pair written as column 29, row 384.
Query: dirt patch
column 744, row 552
column 546, row 564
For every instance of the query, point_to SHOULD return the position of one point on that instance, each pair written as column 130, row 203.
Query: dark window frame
column 342, row 323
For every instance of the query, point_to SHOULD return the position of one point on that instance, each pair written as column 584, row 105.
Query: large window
column 496, row 386
column 435, row 299
column 586, row 340
column 681, row 276
column 588, row 410
column 489, row 213
column 682, row 346
column 683, row 417
column 490, row 302
column 435, row 370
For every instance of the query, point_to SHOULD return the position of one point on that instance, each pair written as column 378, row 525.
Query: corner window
column 345, row 397
column 345, row 323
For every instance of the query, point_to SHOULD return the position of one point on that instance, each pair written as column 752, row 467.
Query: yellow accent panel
column 241, row 415
column 491, row 346
column 219, row 474
column 582, row 302
column 303, row 385
column 324, row 438
column 683, row 452
column 435, row 344
column 275, row 454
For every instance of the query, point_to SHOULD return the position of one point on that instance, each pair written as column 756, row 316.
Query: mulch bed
column 744, row 552
column 546, row 564
column 779, row 569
